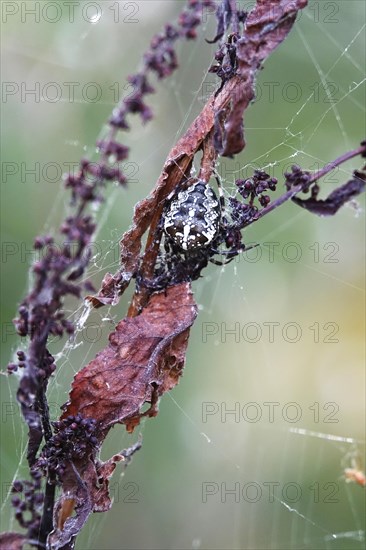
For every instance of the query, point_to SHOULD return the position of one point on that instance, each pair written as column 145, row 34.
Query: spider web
column 251, row 449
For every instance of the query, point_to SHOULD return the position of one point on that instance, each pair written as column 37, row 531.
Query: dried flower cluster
column 73, row 439
column 161, row 61
column 56, row 274
column 28, row 502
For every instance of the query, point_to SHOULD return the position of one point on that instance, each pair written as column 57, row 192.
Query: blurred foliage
column 309, row 109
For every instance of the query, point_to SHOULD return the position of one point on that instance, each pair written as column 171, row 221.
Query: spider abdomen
column 193, row 218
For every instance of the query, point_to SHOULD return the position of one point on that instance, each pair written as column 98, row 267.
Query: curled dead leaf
column 144, row 359
column 338, row 198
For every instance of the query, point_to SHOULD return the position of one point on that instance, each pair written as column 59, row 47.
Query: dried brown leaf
column 85, row 490
column 144, row 359
column 338, row 198
column 267, row 25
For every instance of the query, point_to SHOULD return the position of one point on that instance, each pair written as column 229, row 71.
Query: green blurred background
column 310, row 108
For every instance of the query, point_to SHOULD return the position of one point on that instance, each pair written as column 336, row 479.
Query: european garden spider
column 195, row 224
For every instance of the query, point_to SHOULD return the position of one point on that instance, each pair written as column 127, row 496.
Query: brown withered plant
column 146, row 352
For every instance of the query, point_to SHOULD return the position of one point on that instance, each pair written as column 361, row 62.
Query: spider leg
column 217, row 262
column 221, row 196
column 231, row 254
column 235, row 251
column 250, row 247
column 169, row 258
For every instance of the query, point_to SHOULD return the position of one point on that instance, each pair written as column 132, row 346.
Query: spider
column 195, row 224
column 192, row 218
